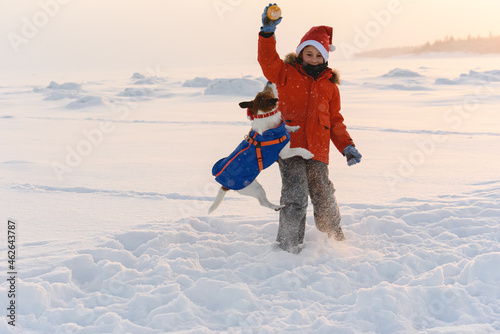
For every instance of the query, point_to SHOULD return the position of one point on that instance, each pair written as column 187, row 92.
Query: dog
column 268, row 140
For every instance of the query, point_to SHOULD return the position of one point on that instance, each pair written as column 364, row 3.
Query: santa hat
column 321, row 38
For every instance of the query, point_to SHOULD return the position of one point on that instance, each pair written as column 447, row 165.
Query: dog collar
column 252, row 116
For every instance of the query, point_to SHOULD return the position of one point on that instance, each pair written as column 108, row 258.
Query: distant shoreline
column 474, row 45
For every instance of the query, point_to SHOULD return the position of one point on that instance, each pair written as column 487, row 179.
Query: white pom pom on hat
column 321, row 38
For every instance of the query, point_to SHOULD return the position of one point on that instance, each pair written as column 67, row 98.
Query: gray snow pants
column 302, row 178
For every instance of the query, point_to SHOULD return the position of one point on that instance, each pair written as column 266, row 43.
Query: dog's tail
column 218, row 199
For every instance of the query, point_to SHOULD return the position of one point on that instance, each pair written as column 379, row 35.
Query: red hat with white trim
column 321, row 38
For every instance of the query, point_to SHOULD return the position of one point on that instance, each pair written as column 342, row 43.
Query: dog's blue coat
column 244, row 168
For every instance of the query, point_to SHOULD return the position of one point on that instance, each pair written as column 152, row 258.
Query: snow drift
column 243, row 86
column 406, row 267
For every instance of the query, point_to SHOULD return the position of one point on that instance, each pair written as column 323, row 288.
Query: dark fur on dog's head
column 265, row 101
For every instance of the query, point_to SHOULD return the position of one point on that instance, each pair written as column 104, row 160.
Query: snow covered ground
column 107, row 176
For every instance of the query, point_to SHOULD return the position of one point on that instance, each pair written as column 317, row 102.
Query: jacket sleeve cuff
column 345, row 146
column 266, row 34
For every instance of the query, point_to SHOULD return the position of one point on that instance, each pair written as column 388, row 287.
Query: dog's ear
column 246, row 104
column 270, row 103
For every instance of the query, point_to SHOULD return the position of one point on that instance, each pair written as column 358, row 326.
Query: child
column 308, row 96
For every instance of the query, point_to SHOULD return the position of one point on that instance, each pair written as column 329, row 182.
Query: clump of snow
column 401, row 73
column 241, row 86
column 86, row 102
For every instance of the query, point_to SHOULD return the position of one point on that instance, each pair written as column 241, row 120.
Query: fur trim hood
column 293, row 59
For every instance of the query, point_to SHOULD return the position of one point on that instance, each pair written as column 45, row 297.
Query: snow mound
column 401, row 73
column 60, row 94
column 65, row 86
column 69, row 88
column 485, row 268
column 19, row 165
column 445, row 81
column 219, row 295
column 197, row 82
column 406, row 87
column 489, row 76
column 241, row 86
column 144, row 93
column 472, row 77
column 166, row 95
column 138, row 92
column 86, row 102
column 22, row 166
column 141, row 79
column 15, row 162
column 137, row 76
column 147, row 81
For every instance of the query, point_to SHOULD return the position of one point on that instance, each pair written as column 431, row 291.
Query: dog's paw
column 307, row 155
column 278, row 207
column 292, row 128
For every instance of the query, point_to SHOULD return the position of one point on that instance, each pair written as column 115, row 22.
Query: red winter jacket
column 312, row 104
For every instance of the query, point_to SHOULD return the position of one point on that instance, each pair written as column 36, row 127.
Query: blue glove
column 352, row 155
column 267, row 24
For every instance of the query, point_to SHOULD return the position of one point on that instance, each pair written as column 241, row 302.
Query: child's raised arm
column 273, row 68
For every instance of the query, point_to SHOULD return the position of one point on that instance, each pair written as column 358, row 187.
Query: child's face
column 312, row 56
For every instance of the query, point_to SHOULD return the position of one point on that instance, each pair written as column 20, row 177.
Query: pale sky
column 94, row 34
